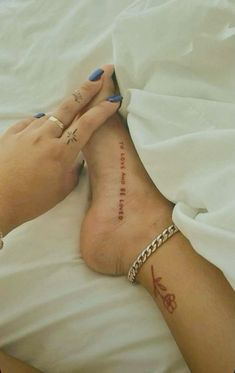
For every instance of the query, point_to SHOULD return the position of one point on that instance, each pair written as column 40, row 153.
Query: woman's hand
column 38, row 158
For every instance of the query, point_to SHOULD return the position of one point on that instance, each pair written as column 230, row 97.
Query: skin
column 9, row 364
column 48, row 146
column 39, row 165
column 202, row 317
column 195, row 299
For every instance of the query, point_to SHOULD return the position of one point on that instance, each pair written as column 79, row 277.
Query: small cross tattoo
column 72, row 137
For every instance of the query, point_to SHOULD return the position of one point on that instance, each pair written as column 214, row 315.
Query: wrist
column 6, row 224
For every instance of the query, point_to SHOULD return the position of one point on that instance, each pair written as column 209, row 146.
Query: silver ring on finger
column 57, row 122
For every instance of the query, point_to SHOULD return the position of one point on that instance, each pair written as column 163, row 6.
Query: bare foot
column 126, row 207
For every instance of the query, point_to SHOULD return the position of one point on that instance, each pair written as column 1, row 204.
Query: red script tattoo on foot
column 122, row 190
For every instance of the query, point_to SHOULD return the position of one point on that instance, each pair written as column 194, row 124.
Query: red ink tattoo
column 159, row 289
column 122, row 191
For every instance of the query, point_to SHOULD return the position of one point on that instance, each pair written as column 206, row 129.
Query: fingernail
column 96, row 75
column 115, row 98
column 39, row 115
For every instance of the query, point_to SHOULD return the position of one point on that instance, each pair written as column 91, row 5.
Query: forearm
column 6, row 213
column 9, row 364
column 201, row 309
column 5, row 225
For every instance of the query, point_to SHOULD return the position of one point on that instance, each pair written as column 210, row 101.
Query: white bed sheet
column 55, row 313
column 181, row 110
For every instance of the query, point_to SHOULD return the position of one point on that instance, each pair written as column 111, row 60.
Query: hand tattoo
column 159, row 289
column 72, row 137
column 77, row 96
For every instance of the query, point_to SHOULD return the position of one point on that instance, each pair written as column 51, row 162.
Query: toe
column 108, row 69
column 108, row 87
column 108, row 84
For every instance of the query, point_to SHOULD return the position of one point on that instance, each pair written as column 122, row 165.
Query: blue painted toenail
column 115, row 98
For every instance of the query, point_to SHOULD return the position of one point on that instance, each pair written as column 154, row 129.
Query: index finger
column 79, row 133
column 71, row 106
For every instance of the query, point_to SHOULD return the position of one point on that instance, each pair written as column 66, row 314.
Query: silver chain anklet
column 149, row 250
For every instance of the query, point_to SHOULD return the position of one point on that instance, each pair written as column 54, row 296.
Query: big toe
column 109, row 86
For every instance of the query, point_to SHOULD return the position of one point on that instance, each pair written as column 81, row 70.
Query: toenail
column 114, row 78
column 81, row 167
column 115, row 98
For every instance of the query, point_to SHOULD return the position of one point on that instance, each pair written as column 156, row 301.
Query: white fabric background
column 181, row 83
column 175, row 66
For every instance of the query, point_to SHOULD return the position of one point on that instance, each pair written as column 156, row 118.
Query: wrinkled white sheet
column 175, row 66
column 181, row 79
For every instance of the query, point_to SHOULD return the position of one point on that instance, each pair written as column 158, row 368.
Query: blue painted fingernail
column 39, row 115
column 114, row 98
column 96, row 75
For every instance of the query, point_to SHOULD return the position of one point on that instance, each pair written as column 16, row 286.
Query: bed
column 174, row 62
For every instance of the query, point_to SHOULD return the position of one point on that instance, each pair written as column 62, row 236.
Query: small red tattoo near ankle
column 159, row 289
column 122, row 191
